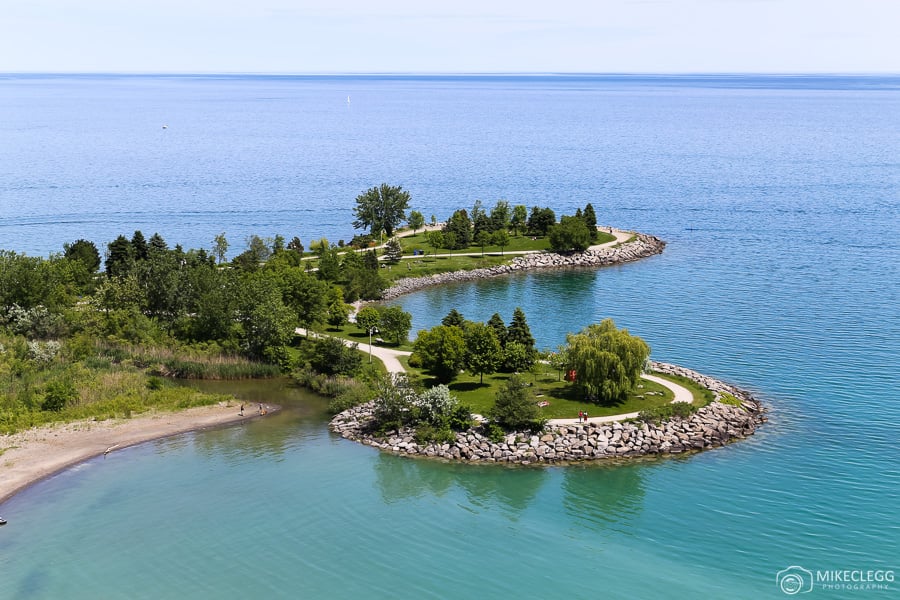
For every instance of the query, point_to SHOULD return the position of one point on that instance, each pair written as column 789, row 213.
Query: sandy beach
column 29, row 456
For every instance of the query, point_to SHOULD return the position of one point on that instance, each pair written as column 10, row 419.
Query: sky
column 468, row 36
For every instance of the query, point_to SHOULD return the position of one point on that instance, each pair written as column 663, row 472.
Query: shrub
column 515, row 409
column 427, row 433
column 667, row 411
column 494, row 432
column 57, row 394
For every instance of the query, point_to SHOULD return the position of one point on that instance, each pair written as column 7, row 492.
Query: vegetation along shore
column 82, row 348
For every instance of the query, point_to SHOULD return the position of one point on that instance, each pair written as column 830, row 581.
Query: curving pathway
column 386, row 355
column 393, row 365
column 682, row 394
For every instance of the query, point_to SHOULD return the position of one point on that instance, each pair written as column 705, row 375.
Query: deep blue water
column 780, row 200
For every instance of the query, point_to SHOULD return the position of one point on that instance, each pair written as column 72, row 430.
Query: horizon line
column 469, row 73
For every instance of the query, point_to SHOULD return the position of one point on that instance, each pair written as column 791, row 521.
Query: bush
column 667, row 411
column 353, row 395
column 427, row 433
column 494, row 432
column 515, row 409
column 57, row 394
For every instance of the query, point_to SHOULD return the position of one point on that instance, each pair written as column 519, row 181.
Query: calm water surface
column 779, row 200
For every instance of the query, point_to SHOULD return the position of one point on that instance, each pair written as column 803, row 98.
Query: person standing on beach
column 242, row 410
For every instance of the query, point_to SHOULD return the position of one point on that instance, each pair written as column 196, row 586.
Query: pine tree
column 453, row 319
column 518, row 330
column 496, row 323
column 139, row 246
column 590, row 219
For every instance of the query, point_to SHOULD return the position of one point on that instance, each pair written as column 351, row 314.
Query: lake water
column 779, row 200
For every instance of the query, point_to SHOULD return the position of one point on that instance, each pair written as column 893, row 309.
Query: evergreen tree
column 370, row 260
column 518, row 330
column 514, row 407
column 496, row 323
column 590, row 219
column 500, row 215
column 296, row 245
column 157, row 243
column 460, row 227
column 393, row 251
column 453, row 319
column 139, row 248
column 119, row 257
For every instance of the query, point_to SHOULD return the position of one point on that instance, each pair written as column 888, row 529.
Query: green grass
column 546, row 387
column 702, row 396
column 431, row 265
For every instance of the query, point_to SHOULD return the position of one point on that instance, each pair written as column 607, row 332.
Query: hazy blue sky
column 301, row 36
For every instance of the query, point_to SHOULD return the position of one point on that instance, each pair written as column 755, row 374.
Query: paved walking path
column 682, row 394
column 386, row 355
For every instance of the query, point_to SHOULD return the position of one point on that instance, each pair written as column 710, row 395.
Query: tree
column 541, row 220
column 381, row 208
column 158, row 244
column 435, row 240
column 119, row 257
column 607, row 361
column 483, row 238
column 570, row 234
column 84, row 252
column 278, row 244
column 500, row 215
column 483, row 350
column 517, row 358
column 442, row 351
column 518, row 330
column 590, row 219
column 416, row 220
column 220, row 247
column 368, row 318
column 514, row 407
column 394, row 404
column 337, row 311
column 395, row 324
column 480, row 220
column 268, row 324
column 329, row 263
column 454, row 319
column 296, row 245
column 496, row 323
column 449, row 241
column 500, row 238
column 519, row 217
column 460, row 226
column 304, row 295
column 331, row 356
column 139, row 246
column 393, row 251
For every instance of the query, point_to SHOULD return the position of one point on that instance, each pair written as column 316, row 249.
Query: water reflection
column 485, row 486
column 599, row 496
column 302, row 414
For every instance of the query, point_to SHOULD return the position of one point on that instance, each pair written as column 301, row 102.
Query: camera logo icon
column 795, row 580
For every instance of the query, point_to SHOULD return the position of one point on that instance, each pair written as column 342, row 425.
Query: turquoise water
column 779, row 200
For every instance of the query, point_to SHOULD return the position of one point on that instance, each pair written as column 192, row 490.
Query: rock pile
column 713, row 425
column 641, row 246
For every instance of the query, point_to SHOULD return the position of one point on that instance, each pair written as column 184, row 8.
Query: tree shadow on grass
column 467, row 386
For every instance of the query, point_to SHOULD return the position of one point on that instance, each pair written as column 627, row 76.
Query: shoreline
column 29, row 457
column 642, row 246
column 714, row 425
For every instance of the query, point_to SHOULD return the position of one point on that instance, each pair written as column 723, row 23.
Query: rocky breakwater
column 713, row 425
column 641, row 246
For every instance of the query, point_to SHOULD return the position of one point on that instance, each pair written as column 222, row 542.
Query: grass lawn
column 547, row 388
column 702, row 396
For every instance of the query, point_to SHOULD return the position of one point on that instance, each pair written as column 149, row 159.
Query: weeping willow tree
column 607, row 361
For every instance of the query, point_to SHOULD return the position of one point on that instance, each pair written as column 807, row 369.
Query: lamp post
column 371, row 329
